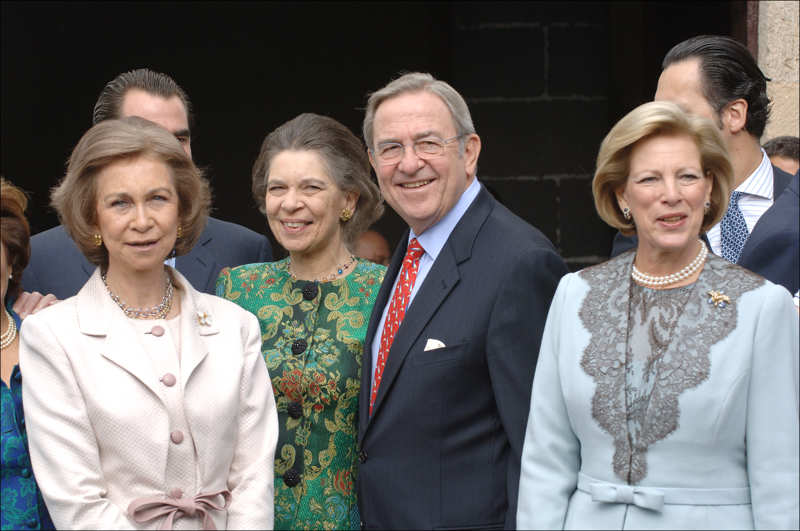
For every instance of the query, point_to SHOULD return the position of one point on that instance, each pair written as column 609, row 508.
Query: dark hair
column 783, row 146
column 109, row 103
column 15, row 233
column 344, row 157
column 728, row 72
column 111, row 141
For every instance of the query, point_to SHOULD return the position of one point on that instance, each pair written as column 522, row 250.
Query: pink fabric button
column 176, row 493
column 157, row 331
column 168, row 379
column 176, row 436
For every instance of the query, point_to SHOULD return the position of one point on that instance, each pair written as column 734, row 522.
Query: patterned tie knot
column 414, row 251
column 735, row 195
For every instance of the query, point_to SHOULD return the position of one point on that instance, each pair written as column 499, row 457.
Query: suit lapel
column 196, row 321
column 437, row 285
column 762, row 229
column 199, row 265
column 99, row 316
column 377, row 311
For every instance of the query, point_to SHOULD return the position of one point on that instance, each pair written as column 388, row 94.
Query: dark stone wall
column 544, row 81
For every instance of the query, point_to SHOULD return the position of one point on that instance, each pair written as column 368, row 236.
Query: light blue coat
column 729, row 457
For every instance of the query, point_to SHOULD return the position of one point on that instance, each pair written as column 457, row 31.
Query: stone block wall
column 535, row 76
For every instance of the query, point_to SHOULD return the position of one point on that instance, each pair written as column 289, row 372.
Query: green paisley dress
column 313, row 337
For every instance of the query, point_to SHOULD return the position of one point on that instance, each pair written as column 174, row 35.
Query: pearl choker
column 673, row 278
column 339, row 270
column 156, row 312
column 10, row 334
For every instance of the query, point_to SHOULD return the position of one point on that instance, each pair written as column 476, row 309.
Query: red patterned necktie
column 397, row 310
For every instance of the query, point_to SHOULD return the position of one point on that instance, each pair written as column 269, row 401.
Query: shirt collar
column 435, row 236
column 759, row 183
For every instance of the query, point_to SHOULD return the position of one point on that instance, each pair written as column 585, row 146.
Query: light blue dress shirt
column 432, row 240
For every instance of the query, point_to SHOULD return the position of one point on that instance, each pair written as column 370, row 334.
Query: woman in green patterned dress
column 312, row 181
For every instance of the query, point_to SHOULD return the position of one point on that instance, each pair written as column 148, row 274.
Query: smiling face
column 666, row 191
column 422, row 191
column 137, row 214
column 303, row 205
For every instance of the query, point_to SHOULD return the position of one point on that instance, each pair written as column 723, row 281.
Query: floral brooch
column 203, row 318
column 718, row 299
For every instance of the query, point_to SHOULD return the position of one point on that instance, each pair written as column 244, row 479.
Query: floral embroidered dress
column 313, row 337
column 21, row 504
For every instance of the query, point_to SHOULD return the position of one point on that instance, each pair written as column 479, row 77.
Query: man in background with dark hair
column 784, row 152
column 57, row 266
column 717, row 78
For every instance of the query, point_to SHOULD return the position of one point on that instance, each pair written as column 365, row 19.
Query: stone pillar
column 779, row 59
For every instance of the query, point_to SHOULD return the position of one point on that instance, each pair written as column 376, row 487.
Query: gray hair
column 419, row 82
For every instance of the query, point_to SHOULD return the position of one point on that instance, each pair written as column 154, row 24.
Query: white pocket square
column 433, row 344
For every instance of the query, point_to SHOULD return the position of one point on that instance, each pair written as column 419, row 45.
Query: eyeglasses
column 426, row 148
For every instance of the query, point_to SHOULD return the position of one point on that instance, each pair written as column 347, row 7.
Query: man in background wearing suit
column 57, row 266
column 717, row 78
column 454, row 335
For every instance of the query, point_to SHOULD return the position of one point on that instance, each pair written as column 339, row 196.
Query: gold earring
column 626, row 213
column 346, row 215
column 180, row 232
column 98, row 240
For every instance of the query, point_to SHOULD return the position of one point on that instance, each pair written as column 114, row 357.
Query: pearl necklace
column 673, row 278
column 8, row 337
column 156, row 312
column 339, row 270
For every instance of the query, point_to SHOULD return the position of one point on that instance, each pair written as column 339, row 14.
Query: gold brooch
column 718, row 299
column 203, row 319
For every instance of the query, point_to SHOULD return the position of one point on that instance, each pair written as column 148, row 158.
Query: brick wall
column 535, row 76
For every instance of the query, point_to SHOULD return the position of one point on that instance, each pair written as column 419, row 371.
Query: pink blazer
column 99, row 423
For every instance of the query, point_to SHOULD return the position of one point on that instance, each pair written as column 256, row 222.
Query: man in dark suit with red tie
column 454, row 335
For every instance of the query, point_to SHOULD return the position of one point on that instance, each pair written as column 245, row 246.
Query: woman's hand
column 29, row 303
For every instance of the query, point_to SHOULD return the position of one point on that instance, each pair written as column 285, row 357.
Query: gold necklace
column 7, row 337
column 339, row 270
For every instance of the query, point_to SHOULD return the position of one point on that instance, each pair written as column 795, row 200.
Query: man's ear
column 734, row 116
column 472, row 149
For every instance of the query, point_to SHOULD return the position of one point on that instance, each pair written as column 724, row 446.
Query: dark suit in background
column 771, row 250
column 443, row 445
column 57, row 266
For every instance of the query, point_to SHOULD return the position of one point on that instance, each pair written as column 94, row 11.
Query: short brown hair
column 344, row 157
column 110, row 141
column 15, row 233
column 654, row 119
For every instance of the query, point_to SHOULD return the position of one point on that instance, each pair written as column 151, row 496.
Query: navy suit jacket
column 57, row 266
column 771, row 250
column 443, row 445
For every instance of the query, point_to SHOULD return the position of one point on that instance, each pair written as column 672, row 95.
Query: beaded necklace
column 156, row 312
column 672, row 278
column 339, row 270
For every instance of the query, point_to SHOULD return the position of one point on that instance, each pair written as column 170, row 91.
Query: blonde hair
column 110, row 141
column 646, row 121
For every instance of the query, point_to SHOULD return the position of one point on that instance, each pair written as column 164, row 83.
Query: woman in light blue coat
column 666, row 390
